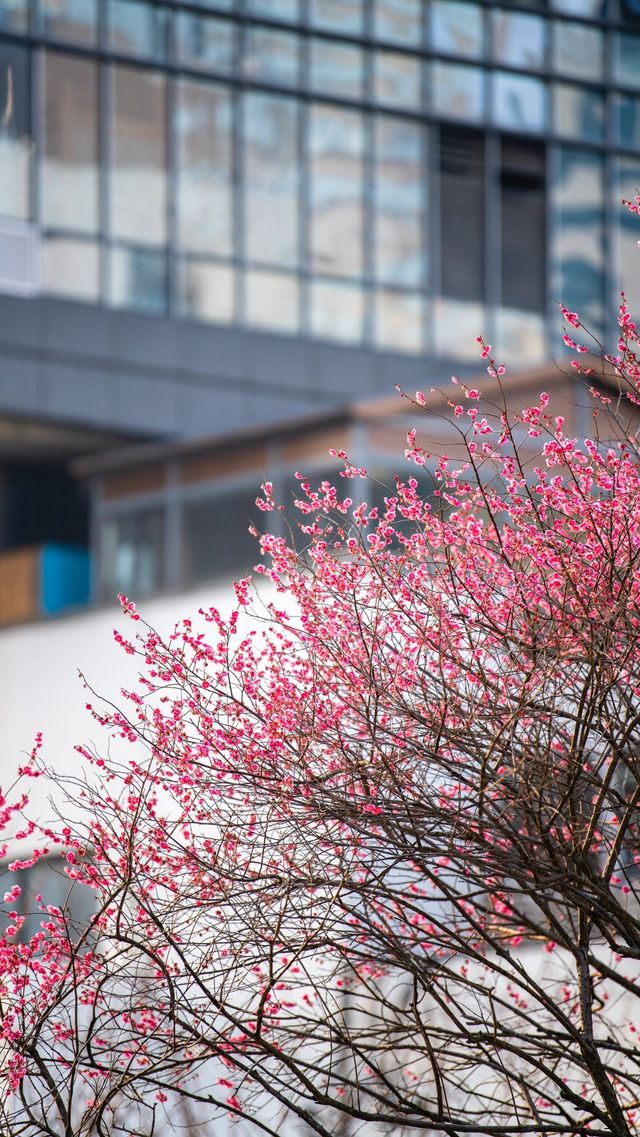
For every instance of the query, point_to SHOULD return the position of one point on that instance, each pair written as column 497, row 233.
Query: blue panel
column 64, row 578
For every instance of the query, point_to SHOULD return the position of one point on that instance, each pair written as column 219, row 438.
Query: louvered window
column 462, row 238
column 522, row 223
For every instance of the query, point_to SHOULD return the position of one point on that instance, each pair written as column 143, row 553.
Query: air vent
column 19, row 257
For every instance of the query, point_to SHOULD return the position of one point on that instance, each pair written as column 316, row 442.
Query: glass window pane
column 75, row 21
column 399, row 185
column 518, row 39
column 336, row 68
column 578, row 112
column 518, row 101
column 337, row 15
column 577, row 49
column 458, row 91
column 138, row 280
column 336, row 142
column 627, row 117
column 15, row 140
column 206, row 291
column 337, row 311
column 136, row 28
column 271, row 55
column 278, row 9
column 399, row 21
column 272, row 175
column 626, row 59
column 272, row 301
column 397, row 80
column 138, row 168
column 456, row 28
column 399, row 321
column 578, row 245
column 456, row 324
column 204, row 190
column 14, row 15
column 132, row 553
column 70, row 158
column 215, row 535
column 626, row 230
column 521, row 336
column 71, row 268
column 204, row 41
column 578, row 7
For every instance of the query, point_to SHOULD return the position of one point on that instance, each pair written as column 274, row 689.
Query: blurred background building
column 225, row 213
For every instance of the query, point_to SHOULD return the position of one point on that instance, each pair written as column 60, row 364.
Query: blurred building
column 223, row 213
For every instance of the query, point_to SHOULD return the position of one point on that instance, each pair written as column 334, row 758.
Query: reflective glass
column 627, row 117
column 578, row 7
column 204, row 41
column 278, row 9
column 132, row 553
column 397, row 80
column 578, row 112
column 456, row 323
column 521, row 336
column 399, row 201
column 337, row 311
column 70, row 158
column 336, row 15
column 399, row 321
column 138, row 279
column 14, row 15
column 75, row 21
column 518, row 101
column 15, row 140
column 626, row 59
column 336, row 68
column 272, row 172
column 71, row 268
column 136, row 28
column 458, row 91
column 271, row 301
column 138, row 186
column 204, row 175
column 336, row 145
column 577, row 253
column 577, row 49
column 518, row 39
column 456, row 28
column 205, row 291
column 215, row 535
column 271, row 55
column 626, row 229
column 399, row 21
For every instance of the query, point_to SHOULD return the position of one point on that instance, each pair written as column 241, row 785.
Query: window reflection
column 458, row 91
column 204, row 41
column 336, row 15
column 578, row 248
column 336, row 68
column 456, row 28
column 271, row 55
column 627, row 112
column 578, row 112
column 626, row 59
column 518, row 101
column 521, row 336
column 399, row 321
column 204, row 140
column 397, row 80
column 15, row 140
column 132, row 553
column 138, row 171
column 14, row 15
column 336, row 143
column 136, row 28
column 138, row 280
column 277, row 9
column 626, row 229
column 399, row 205
column 456, row 325
column 205, row 290
column 399, row 21
column 577, row 49
column 337, row 311
column 271, row 300
column 518, row 39
column 271, row 160
column 70, row 159
column 71, row 268
column 73, row 20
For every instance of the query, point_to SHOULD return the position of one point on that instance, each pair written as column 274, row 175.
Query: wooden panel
column 222, row 463
column 316, row 444
column 19, row 585
column 126, row 483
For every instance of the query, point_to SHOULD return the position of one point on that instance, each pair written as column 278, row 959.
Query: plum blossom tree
column 368, row 860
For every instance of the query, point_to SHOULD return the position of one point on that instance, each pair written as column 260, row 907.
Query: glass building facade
column 394, row 173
